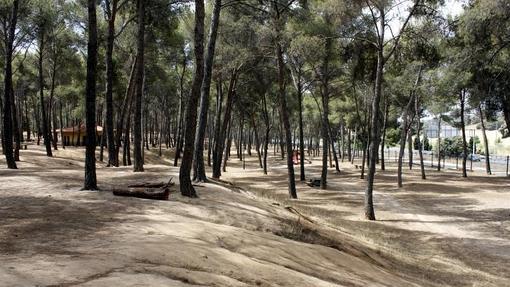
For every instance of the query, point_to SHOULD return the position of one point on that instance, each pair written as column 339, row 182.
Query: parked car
column 474, row 157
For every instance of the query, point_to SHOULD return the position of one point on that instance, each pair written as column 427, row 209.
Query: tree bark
column 137, row 152
column 8, row 90
column 61, row 126
column 485, row 141
column 462, row 99
column 268, row 130
column 439, row 142
column 374, row 131
column 126, row 107
column 113, row 159
column 410, row 145
column 383, row 139
column 90, row 107
column 16, row 127
column 257, row 140
column 219, row 144
column 186, row 187
column 198, row 159
column 418, row 132
column 180, row 114
column 44, row 117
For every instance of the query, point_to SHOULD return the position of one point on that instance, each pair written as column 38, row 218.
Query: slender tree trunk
column 102, row 143
column 2, row 125
column 374, row 131
column 302, row 175
column 8, row 90
column 113, row 159
column 268, row 130
column 462, row 98
column 44, row 118
column 439, row 142
column 186, row 187
column 16, row 127
column 485, row 141
column 90, row 107
column 27, row 119
column 62, row 126
column 349, row 145
column 180, row 124
column 285, row 119
column 138, row 159
column 219, row 144
column 257, row 140
column 410, row 145
column 383, row 140
column 332, row 140
column 51, row 109
column 403, row 137
column 418, row 132
column 198, row 159
column 126, row 106
column 55, row 134
column 227, row 149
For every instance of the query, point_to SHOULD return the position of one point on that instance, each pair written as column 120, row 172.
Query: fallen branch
column 155, row 191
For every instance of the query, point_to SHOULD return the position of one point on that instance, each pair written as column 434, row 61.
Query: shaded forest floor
column 443, row 231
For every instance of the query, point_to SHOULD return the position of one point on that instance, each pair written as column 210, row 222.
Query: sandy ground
column 447, row 230
column 442, row 231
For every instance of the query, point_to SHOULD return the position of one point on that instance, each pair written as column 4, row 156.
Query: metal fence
column 499, row 164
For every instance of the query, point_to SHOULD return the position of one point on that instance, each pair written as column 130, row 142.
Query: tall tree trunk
column 462, row 99
column 282, row 96
column 8, row 90
column 349, row 144
column 229, row 144
column 186, row 187
column 90, row 107
column 180, row 115
column 268, row 130
column 257, row 140
column 374, row 131
column 2, row 125
column 383, row 140
column 137, row 129
column 332, row 140
column 418, row 132
column 16, row 127
column 406, row 129
column 285, row 119
column 485, row 141
column 51, row 109
column 44, row 119
column 62, row 126
column 125, row 109
column 27, row 119
column 439, row 142
column 403, row 137
column 102, row 142
column 219, row 144
column 113, row 159
column 302, row 176
column 217, row 117
column 198, row 159
column 410, row 145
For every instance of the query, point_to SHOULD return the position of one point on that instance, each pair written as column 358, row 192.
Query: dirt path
column 52, row 234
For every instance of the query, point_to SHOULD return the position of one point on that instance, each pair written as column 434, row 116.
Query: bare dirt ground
column 446, row 230
column 443, row 231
